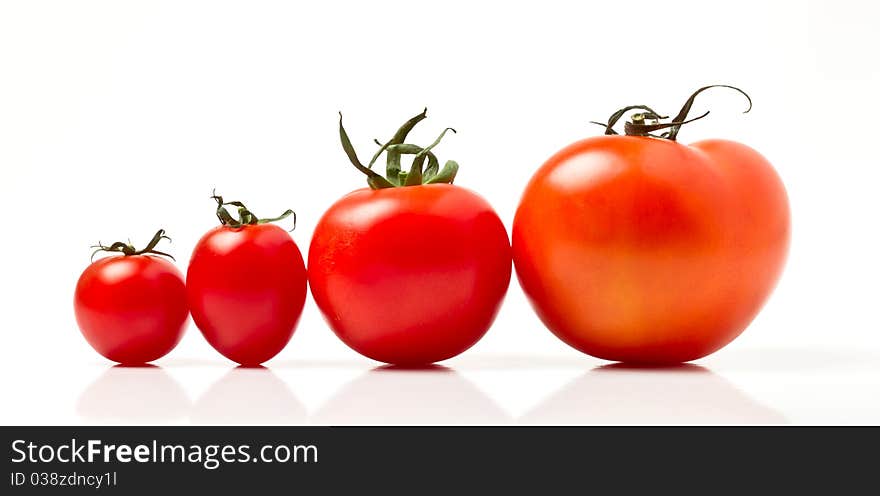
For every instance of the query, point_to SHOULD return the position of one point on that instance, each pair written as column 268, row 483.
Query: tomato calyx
column 245, row 216
column 645, row 122
column 127, row 249
column 394, row 149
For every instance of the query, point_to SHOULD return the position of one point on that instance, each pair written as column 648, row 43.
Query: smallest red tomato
column 131, row 308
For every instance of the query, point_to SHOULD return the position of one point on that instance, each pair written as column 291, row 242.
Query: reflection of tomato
column 247, row 286
column 410, row 275
column 640, row 249
column 131, row 309
column 412, row 271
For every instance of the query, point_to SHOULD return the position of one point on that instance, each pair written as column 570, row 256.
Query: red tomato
column 131, row 309
column 246, row 287
column 641, row 249
column 410, row 274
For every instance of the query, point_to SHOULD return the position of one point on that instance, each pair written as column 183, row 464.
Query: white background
column 117, row 118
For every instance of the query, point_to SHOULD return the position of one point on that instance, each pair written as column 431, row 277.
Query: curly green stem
column 245, row 216
column 644, row 123
column 127, row 249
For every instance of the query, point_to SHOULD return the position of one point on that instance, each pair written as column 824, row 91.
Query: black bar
column 412, row 460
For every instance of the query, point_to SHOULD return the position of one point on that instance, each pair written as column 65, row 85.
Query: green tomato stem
column 394, row 149
column 644, row 123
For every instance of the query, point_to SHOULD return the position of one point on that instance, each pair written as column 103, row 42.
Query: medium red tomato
column 246, row 286
column 640, row 249
column 131, row 309
column 414, row 270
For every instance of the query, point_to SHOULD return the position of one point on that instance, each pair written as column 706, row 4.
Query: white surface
column 117, row 118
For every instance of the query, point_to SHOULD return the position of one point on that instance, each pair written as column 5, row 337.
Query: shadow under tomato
column 644, row 394
column 413, row 368
column 679, row 368
column 248, row 395
column 133, row 394
column 393, row 395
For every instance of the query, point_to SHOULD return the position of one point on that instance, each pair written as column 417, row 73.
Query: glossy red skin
column 131, row 309
column 246, row 289
column 639, row 249
column 410, row 275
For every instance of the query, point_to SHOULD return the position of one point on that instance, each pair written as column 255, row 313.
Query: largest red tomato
column 412, row 271
column 640, row 249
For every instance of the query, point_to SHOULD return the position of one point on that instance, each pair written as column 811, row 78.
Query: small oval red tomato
column 640, row 249
column 409, row 273
column 131, row 309
column 246, row 286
